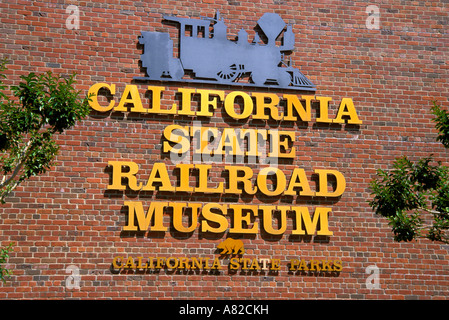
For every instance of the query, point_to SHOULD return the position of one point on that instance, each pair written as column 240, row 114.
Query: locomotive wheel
column 176, row 70
column 228, row 74
column 258, row 78
column 284, row 78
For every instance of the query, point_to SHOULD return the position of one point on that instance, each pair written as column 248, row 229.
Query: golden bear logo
column 231, row 246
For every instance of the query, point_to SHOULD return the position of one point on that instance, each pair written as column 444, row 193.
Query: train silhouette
column 206, row 52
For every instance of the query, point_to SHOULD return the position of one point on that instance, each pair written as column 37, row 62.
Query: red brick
column 68, row 217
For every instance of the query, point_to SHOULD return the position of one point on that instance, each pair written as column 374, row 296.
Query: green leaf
column 47, row 104
column 410, row 190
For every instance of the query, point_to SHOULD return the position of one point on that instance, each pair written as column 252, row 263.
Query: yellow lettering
column 160, row 262
column 338, row 265
column 129, row 263
column 130, row 90
column 159, row 174
column 315, row 265
column 202, row 143
column 278, row 144
column 178, row 214
column 347, row 108
column 247, row 107
column 202, row 185
column 252, row 141
column 302, row 215
column 184, row 174
column 118, row 175
column 261, row 105
column 254, row 265
column 239, row 218
column 339, row 179
column 215, row 218
column 197, row 264
column 176, row 134
column 299, row 179
column 234, row 263
column 303, row 265
column 186, row 105
column 216, row 264
column 94, row 99
column 115, row 262
column 293, row 264
column 275, row 264
column 170, row 265
column 184, row 263
column 229, row 143
column 262, row 181
column 135, row 209
column 234, row 179
column 293, row 102
column 205, row 101
column 268, row 219
column 324, row 108
column 139, row 263
column 156, row 93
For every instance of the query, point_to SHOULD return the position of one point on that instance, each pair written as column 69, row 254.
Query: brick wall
column 68, row 217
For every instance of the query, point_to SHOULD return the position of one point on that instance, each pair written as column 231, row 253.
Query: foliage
column 409, row 191
column 4, row 255
column 43, row 106
column 46, row 105
column 442, row 124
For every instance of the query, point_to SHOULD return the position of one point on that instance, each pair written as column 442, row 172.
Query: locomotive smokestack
column 272, row 25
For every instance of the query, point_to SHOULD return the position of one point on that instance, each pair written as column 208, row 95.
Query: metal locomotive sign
column 206, row 53
column 247, row 157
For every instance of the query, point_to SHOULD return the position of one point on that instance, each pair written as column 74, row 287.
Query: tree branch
column 431, row 211
column 19, row 166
